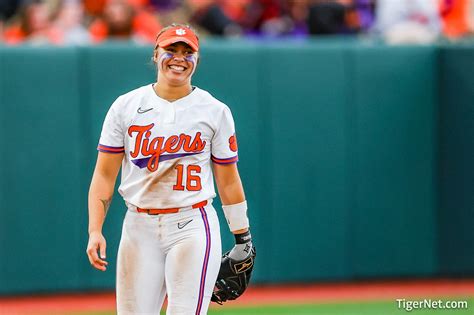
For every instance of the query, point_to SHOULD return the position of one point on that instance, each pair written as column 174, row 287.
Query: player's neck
column 172, row 93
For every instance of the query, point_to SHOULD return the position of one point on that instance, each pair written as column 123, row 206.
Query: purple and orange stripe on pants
column 202, row 284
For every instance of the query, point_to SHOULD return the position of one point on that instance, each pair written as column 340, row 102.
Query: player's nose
column 178, row 59
column 179, row 55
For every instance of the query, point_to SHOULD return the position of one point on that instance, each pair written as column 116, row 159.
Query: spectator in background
column 171, row 11
column 116, row 22
column 210, row 16
column 146, row 23
column 337, row 16
column 69, row 23
column 33, row 26
column 408, row 21
column 274, row 17
column 283, row 17
column 455, row 17
column 298, row 11
column 94, row 8
column 398, row 21
column 240, row 12
column 365, row 13
column 121, row 21
column 166, row 4
column 470, row 17
column 326, row 18
column 271, row 18
column 8, row 8
column 250, row 17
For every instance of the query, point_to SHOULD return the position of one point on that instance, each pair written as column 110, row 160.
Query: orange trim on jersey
column 170, row 210
column 108, row 149
column 231, row 160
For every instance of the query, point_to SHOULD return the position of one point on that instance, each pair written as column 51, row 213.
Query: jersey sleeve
column 224, row 142
column 112, row 135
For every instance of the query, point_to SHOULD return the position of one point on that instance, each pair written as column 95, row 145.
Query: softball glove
column 233, row 278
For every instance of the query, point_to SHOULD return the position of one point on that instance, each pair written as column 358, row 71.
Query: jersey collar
column 183, row 100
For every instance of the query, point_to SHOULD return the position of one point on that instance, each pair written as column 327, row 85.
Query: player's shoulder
column 207, row 99
column 130, row 100
column 132, row 95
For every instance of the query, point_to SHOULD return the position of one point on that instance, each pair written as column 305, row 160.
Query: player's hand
column 96, row 246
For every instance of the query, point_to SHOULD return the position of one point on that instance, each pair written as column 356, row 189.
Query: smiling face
column 176, row 64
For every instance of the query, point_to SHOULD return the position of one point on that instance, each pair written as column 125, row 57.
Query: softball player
column 169, row 138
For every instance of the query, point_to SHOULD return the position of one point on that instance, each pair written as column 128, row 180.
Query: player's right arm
column 100, row 197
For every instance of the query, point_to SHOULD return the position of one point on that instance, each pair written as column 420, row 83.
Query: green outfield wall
column 357, row 158
column 456, row 162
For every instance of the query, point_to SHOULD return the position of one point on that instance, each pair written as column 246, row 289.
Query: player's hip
column 165, row 198
column 198, row 228
column 199, row 215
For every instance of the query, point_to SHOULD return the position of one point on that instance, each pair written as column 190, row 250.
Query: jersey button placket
column 160, row 226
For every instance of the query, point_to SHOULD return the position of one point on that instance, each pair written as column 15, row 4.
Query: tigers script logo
column 153, row 149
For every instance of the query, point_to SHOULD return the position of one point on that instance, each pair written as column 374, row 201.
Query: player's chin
column 178, row 80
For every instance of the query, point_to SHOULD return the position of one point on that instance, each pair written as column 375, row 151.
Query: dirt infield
column 258, row 295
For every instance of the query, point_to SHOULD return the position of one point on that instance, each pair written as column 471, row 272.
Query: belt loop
column 199, row 204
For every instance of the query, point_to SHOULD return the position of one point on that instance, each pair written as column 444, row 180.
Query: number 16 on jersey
column 190, row 174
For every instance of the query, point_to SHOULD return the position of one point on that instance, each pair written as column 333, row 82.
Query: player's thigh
column 192, row 265
column 140, row 268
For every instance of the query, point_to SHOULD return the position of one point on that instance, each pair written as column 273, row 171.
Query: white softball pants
column 176, row 254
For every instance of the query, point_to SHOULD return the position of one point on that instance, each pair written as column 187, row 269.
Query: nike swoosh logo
column 183, row 224
column 142, row 111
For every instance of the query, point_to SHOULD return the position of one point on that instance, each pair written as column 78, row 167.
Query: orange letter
column 170, row 142
column 140, row 130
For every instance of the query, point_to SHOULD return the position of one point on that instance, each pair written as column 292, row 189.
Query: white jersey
column 168, row 146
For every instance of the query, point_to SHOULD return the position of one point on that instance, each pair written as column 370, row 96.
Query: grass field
column 360, row 308
column 370, row 298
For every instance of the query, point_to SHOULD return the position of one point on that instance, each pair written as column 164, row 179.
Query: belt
column 170, row 210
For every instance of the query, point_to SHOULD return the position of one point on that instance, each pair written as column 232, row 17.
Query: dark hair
column 25, row 15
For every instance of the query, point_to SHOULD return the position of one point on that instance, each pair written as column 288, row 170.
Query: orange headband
column 178, row 34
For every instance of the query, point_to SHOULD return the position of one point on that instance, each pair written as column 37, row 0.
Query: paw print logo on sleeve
column 233, row 143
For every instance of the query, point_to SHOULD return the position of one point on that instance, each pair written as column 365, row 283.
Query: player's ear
column 155, row 56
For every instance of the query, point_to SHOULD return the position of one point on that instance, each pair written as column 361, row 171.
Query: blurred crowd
column 80, row 22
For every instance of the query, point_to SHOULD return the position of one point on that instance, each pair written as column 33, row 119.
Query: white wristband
column 236, row 216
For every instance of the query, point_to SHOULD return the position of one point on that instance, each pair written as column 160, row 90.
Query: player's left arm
column 230, row 187
column 224, row 157
column 236, row 265
column 232, row 196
